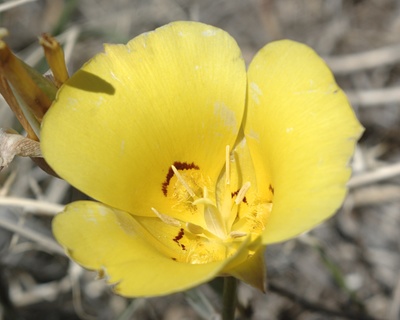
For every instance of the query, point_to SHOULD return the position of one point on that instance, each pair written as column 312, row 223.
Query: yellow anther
column 237, row 234
column 166, row 219
column 242, row 192
column 194, row 228
column 183, row 182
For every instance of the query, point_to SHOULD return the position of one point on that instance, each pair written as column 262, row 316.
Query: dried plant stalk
column 12, row 144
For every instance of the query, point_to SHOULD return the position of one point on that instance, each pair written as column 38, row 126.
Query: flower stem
column 229, row 298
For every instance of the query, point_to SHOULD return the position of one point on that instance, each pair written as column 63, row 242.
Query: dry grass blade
column 42, row 292
column 364, row 60
column 32, row 206
column 361, row 44
column 394, row 311
column 374, row 97
column 12, row 4
column 70, row 37
column 47, row 243
column 375, row 194
column 377, row 175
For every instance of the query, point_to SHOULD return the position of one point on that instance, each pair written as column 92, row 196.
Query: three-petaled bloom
column 198, row 165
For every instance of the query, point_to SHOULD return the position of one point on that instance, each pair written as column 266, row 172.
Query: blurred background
column 347, row 268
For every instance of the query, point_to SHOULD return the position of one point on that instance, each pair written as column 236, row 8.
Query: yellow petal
column 252, row 271
column 301, row 131
column 101, row 238
column 175, row 95
column 179, row 243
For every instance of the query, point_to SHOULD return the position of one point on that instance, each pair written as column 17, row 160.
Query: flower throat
column 228, row 218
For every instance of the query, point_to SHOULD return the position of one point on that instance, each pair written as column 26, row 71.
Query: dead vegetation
column 348, row 268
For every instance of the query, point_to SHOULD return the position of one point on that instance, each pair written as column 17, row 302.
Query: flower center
column 211, row 221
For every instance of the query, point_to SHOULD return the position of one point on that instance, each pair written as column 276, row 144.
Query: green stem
column 229, row 298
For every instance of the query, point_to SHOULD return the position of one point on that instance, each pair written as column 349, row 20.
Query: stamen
column 183, row 182
column 227, row 166
column 237, row 234
column 205, row 201
column 205, row 192
column 166, row 219
column 242, row 192
column 194, row 228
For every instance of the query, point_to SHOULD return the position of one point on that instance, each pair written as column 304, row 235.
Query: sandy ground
column 348, row 268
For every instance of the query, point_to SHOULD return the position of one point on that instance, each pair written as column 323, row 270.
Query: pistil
column 218, row 219
column 227, row 216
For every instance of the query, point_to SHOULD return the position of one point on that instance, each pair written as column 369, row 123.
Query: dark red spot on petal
column 271, row 188
column 179, row 236
column 173, row 259
column 234, row 194
column 179, row 166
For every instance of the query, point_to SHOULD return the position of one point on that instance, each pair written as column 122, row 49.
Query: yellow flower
column 197, row 164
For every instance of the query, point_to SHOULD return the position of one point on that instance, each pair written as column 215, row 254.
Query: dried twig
column 374, row 97
column 47, row 291
column 45, row 241
column 12, row 4
column 32, row 206
column 70, row 37
column 316, row 307
column 380, row 174
column 75, row 272
column 12, row 145
column 375, row 194
column 364, row 60
column 5, row 188
column 394, row 310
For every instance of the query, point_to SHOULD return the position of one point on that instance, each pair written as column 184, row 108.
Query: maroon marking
column 179, row 166
column 234, row 194
column 173, row 259
column 179, row 236
column 271, row 189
